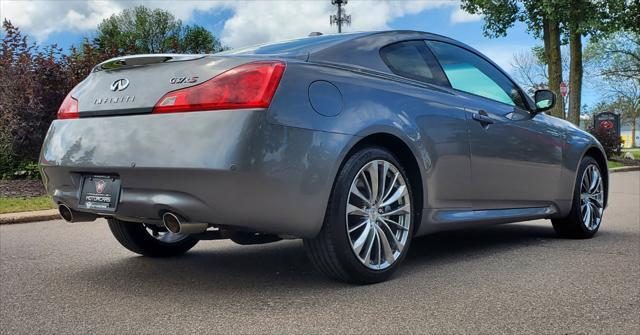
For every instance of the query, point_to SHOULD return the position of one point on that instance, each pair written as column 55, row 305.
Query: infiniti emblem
column 120, row 84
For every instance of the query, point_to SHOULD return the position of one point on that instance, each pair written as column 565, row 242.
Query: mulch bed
column 21, row 188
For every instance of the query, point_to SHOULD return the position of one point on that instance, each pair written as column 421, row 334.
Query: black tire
column 572, row 225
column 330, row 251
column 135, row 237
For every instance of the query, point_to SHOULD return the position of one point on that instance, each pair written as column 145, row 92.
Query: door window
column 412, row 59
column 470, row 73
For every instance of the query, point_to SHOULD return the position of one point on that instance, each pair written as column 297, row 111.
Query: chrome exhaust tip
column 70, row 215
column 65, row 213
column 171, row 222
column 174, row 224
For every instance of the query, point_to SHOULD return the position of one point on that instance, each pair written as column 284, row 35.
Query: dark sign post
column 607, row 120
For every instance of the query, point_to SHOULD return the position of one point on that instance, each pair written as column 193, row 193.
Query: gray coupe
column 355, row 143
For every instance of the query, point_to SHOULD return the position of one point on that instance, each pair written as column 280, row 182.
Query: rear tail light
column 69, row 108
column 250, row 85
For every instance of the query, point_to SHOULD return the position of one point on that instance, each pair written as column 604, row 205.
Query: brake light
column 69, row 108
column 250, row 85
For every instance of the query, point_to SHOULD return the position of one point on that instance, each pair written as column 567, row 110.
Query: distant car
column 355, row 143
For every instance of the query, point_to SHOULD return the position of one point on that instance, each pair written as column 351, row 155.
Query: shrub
column 32, row 86
column 610, row 141
column 20, row 170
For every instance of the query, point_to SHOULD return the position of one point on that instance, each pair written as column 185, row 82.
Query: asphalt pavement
column 59, row 278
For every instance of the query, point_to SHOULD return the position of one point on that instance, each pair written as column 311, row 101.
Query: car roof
column 295, row 47
column 313, row 44
column 358, row 49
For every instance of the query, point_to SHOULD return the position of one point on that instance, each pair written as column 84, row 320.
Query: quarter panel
column 431, row 121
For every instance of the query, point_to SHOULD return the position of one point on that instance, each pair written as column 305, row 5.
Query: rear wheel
column 369, row 222
column 150, row 240
column 588, row 203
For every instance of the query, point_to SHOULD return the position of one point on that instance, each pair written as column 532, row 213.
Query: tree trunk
column 575, row 76
column 551, row 36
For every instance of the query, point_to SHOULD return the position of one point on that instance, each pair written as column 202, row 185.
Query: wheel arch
column 404, row 153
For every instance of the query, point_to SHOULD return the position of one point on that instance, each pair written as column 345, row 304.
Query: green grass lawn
column 611, row 164
column 12, row 205
column 634, row 151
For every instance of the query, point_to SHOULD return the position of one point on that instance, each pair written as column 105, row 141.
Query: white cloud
column 41, row 18
column 461, row 16
column 250, row 22
column 262, row 21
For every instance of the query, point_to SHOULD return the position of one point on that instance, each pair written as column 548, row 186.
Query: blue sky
column 240, row 23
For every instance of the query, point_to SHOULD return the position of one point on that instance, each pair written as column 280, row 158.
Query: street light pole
column 340, row 18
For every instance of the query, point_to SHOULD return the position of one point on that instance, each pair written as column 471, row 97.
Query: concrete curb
column 625, row 169
column 22, row 217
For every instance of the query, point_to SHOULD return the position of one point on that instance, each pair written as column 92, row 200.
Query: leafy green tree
column 586, row 18
column 552, row 20
column 32, row 86
column 143, row 30
column 198, row 40
column 542, row 20
column 616, row 61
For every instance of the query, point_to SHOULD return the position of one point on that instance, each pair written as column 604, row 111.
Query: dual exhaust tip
column 70, row 215
column 175, row 224
column 172, row 222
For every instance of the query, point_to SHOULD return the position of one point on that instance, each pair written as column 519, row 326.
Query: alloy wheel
column 378, row 214
column 591, row 197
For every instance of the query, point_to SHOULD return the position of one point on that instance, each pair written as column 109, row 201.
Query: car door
column 440, row 117
column 515, row 158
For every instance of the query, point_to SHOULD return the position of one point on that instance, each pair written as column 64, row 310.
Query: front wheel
column 369, row 221
column 150, row 240
column 588, row 203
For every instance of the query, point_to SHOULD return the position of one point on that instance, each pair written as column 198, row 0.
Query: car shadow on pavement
column 477, row 241
column 276, row 266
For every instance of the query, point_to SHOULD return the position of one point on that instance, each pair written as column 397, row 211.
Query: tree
column 32, row 86
column 142, row 30
column 530, row 68
column 617, row 63
column 553, row 19
column 586, row 18
column 617, row 56
column 541, row 17
column 198, row 40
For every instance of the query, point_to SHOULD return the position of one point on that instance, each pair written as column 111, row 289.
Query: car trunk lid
column 134, row 84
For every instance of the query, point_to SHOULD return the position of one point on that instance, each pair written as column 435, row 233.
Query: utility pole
column 341, row 17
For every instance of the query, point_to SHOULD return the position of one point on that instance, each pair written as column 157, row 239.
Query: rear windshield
column 291, row 47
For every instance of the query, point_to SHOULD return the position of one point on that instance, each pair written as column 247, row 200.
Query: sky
column 242, row 23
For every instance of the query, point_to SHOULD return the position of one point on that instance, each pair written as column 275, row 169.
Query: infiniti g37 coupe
column 355, row 143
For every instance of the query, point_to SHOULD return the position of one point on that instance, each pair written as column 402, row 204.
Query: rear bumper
column 229, row 168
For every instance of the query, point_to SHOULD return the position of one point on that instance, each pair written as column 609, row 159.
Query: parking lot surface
column 75, row 278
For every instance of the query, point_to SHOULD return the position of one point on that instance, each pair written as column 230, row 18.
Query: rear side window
column 412, row 59
column 470, row 73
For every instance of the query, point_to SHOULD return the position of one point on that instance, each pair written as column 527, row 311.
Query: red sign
column 606, row 124
column 564, row 90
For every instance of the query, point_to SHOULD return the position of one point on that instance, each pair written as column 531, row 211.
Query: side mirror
column 545, row 99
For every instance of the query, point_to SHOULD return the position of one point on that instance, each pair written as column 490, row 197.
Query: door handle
column 483, row 118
